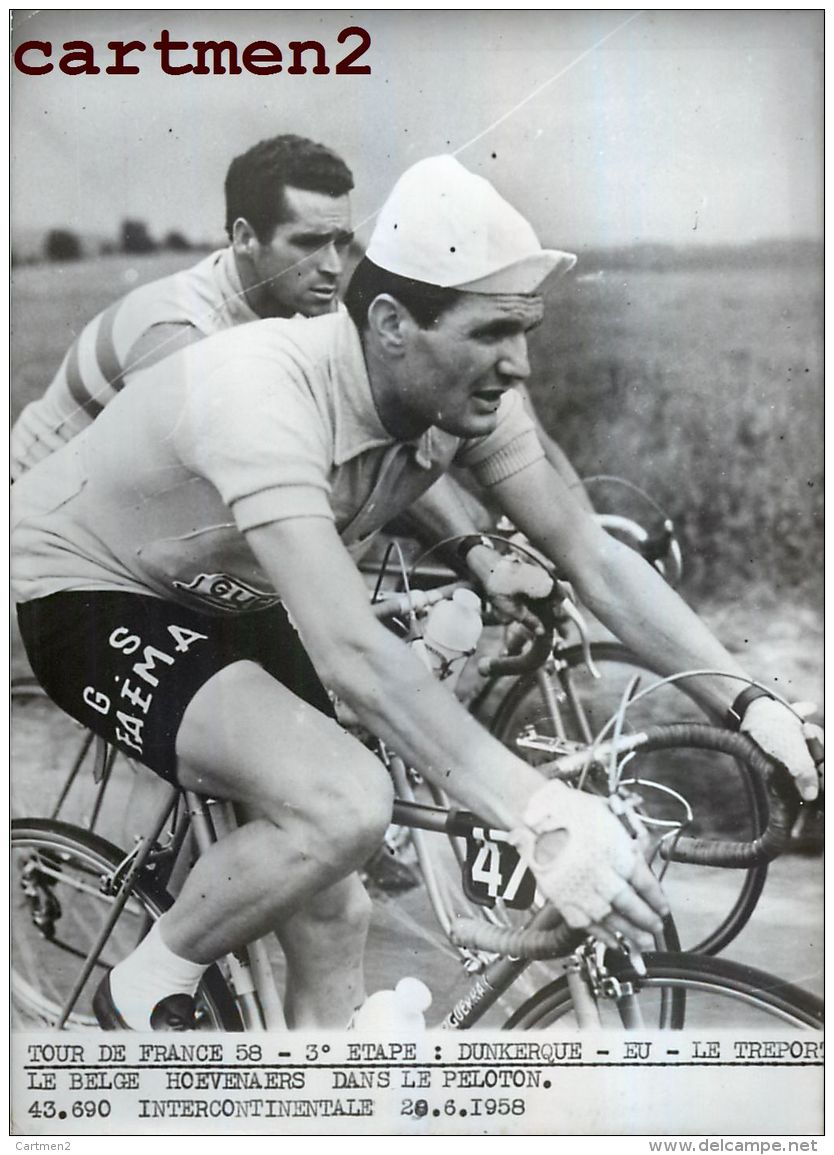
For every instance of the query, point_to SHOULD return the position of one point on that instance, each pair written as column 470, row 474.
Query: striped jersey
column 207, row 297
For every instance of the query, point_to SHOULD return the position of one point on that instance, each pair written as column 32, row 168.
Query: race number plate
column 493, row 871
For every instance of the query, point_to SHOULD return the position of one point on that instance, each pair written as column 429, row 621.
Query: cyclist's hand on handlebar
column 507, row 581
column 586, row 864
column 814, row 738
column 784, row 737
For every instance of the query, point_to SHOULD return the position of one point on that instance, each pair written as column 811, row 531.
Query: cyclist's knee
column 357, row 812
column 345, row 909
column 344, row 811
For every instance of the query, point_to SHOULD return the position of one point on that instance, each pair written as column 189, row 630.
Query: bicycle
column 564, row 686
column 81, row 904
column 571, row 696
column 555, row 699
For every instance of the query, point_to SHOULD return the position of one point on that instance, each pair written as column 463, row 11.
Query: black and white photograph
column 417, row 573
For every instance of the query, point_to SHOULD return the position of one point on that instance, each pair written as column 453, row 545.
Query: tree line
column 134, row 237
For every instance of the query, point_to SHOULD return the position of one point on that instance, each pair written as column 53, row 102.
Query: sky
column 603, row 127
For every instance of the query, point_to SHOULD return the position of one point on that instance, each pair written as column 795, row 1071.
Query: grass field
column 702, row 384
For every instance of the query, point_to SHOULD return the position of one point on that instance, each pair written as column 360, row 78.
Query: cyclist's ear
column 391, row 323
column 244, row 238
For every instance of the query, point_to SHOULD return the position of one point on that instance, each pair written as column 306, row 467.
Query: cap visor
column 523, row 276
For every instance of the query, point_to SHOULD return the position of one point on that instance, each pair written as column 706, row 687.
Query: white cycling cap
column 445, row 226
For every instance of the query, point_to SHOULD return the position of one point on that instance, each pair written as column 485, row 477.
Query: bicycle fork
column 591, row 984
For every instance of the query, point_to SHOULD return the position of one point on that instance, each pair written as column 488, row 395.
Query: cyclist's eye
column 495, row 334
column 310, row 242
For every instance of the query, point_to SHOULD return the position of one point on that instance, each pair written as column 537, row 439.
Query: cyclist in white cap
column 186, row 589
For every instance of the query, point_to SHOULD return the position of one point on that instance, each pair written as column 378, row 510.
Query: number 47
column 486, row 869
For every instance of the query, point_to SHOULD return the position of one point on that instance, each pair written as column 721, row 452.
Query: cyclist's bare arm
column 158, row 342
column 398, row 700
column 379, row 677
column 630, row 597
column 556, row 456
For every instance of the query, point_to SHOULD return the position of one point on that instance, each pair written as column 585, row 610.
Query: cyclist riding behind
column 289, row 229
column 187, row 590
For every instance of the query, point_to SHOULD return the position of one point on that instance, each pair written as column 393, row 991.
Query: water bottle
column 451, row 634
column 396, row 1012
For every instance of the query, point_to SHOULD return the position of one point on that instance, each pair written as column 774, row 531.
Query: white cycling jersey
column 267, row 422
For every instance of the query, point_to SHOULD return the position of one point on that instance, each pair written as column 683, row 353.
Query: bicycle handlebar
column 535, row 654
column 659, row 549
column 475, row 934
column 783, row 798
column 535, row 943
column 412, row 601
column 531, row 657
column 782, row 795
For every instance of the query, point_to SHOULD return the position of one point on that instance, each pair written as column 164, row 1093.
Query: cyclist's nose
column 330, row 260
column 514, row 360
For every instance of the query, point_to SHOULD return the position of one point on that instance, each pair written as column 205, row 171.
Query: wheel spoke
column 711, row 905
column 60, row 861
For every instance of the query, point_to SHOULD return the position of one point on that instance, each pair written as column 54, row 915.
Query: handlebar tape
column 783, row 799
column 531, row 944
column 536, row 653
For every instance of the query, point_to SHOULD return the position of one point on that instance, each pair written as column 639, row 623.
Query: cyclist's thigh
column 247, row 737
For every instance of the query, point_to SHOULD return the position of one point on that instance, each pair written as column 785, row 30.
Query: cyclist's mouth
column 323, row 292
column 488, row 399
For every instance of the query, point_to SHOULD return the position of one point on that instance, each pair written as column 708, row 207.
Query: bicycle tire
column 49, row 860
column 617, row 662
column 707, row 982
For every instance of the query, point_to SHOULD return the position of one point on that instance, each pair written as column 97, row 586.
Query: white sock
column 149, row 974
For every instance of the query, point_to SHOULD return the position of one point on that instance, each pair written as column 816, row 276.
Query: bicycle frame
column 249, row 972
column 590, row 983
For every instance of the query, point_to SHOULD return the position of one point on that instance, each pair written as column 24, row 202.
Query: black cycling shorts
column 127, row 666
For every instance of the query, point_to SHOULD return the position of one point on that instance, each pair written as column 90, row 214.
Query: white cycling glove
column 596, row 861
column 507, row 581
column 509, row 576
column 783, row 736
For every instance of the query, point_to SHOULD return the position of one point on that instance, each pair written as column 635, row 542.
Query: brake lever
column 625, row 809
column 570, row 609
column 816, row 750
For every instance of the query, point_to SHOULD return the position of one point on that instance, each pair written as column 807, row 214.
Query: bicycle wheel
column 58, row 906
column 52, row 760
column 711, row 905
column 719, row 994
